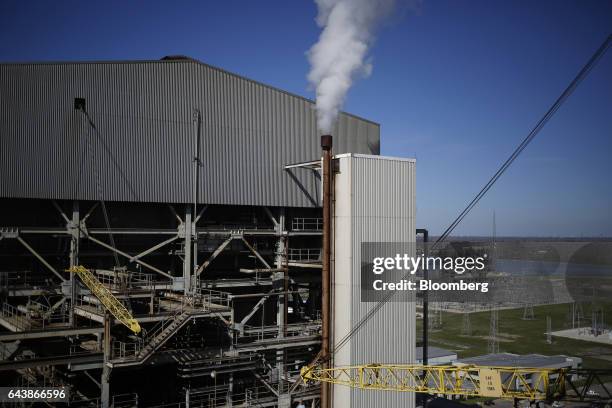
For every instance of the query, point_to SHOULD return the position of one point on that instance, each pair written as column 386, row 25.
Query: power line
column 566, row 93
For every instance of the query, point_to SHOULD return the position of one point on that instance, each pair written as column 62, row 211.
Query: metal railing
column 181, row 308
column 259, row 333
column 19, row 319
column 37, row 319
column 121, row 279
column 117, row 401
column 209, row 297
column 304, row 254
column 124, row 349
column 307, row 224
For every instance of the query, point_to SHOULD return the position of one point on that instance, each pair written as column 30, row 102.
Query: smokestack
column 326, row 145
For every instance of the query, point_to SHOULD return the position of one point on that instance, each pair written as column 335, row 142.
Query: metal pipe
column 74, row 228
column 106, row 370
column 326, row 145
column 196, row 170
column 425, row 297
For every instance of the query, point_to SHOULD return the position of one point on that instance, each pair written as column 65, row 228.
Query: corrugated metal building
column 142, row 137
column 375, row 204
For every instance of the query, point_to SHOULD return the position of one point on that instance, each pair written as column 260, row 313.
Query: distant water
column 548, row 268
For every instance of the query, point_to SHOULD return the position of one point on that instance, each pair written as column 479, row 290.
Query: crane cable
column 556, row 105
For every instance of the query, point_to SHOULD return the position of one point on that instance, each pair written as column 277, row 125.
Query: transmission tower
column 577, row 315
column 466, row 330
column 597, row 321
column 528, row 313
column 435, row 317
column 493, row 346
column 493, row 253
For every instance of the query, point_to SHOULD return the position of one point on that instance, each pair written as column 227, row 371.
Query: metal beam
column 256, row 307
column 265, row 383
column 40, row 258
column 313, row 164
column 171, row 207
column 254, row 251
column 49, row 333
column 305, row 265
column 188, row 228
column 106, row 369
column 216, row 253
column 12, row 365
column 275, row 344
column 91, row 210
column 52, row 309
column 109, row 247
column 153, row 248
column 272, row 218
column 92, row 379
column 73, row 228
column 200, row 214
column 59, row 209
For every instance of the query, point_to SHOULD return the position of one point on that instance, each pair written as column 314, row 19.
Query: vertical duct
column 194, row 212
column 326, row 145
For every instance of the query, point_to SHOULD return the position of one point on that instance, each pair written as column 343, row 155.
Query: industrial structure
column 170, row 236
column 191, row 196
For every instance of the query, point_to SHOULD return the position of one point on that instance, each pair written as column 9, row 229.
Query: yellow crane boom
column 475, row 381
column 110, row 302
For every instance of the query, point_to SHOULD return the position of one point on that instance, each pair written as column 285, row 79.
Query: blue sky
column 456, row 84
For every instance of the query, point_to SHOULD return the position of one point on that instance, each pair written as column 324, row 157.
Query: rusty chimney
column 326, row 145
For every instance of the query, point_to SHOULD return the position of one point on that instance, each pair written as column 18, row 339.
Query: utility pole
column 425, row 297
column 493, row 346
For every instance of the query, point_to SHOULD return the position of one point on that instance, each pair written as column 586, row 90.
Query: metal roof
column 516, row 360
column 143, row 146
column 434, row 352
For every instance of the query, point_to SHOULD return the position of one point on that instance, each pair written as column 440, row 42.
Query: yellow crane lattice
column 110, row 302
column 474, row 381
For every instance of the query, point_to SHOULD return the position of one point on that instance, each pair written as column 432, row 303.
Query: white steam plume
column 341, row 52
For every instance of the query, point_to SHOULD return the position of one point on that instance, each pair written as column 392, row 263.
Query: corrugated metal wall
column 143, row 146
column 374, row 202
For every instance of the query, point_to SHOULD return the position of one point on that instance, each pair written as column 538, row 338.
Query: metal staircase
column 138, row 353
column 158, row 337
column 182, row 309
